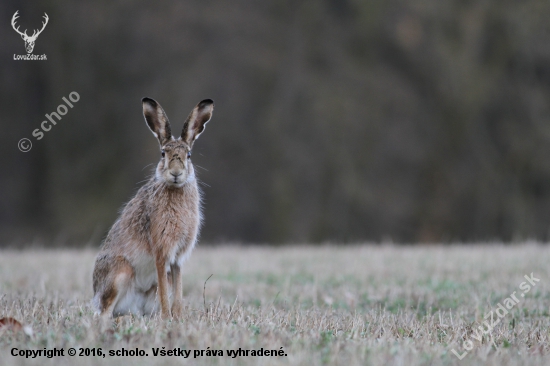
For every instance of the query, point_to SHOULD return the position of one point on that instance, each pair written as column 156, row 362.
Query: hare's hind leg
column 117, row 282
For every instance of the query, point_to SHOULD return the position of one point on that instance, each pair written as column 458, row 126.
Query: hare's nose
column 176, row 174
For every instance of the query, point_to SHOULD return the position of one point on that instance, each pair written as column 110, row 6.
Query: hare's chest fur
column 168, row 229
column 174, row 220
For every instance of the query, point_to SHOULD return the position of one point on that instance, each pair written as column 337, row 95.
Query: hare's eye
column 189, row 155
column 162, row 153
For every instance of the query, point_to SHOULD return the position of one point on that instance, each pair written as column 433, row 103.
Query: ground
column 328, row 305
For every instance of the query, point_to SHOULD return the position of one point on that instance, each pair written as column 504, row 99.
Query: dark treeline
column 411, row 121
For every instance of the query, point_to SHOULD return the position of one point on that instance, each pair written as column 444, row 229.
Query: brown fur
column 156, row 230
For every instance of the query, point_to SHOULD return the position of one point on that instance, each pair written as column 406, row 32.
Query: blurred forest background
column 335, row 120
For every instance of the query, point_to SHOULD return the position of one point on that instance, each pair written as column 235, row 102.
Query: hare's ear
column 194, row 125
column 157, row 120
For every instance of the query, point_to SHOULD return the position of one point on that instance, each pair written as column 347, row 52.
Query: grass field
column 358, row 305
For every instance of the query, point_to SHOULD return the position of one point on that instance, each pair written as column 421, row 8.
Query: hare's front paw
column 165, row 314
column 177, row 310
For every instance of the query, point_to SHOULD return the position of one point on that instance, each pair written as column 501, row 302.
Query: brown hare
column 156, row 231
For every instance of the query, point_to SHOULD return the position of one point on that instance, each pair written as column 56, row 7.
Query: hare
column 156, row 231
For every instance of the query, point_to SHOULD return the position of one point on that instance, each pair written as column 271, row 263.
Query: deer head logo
column 29, row 41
